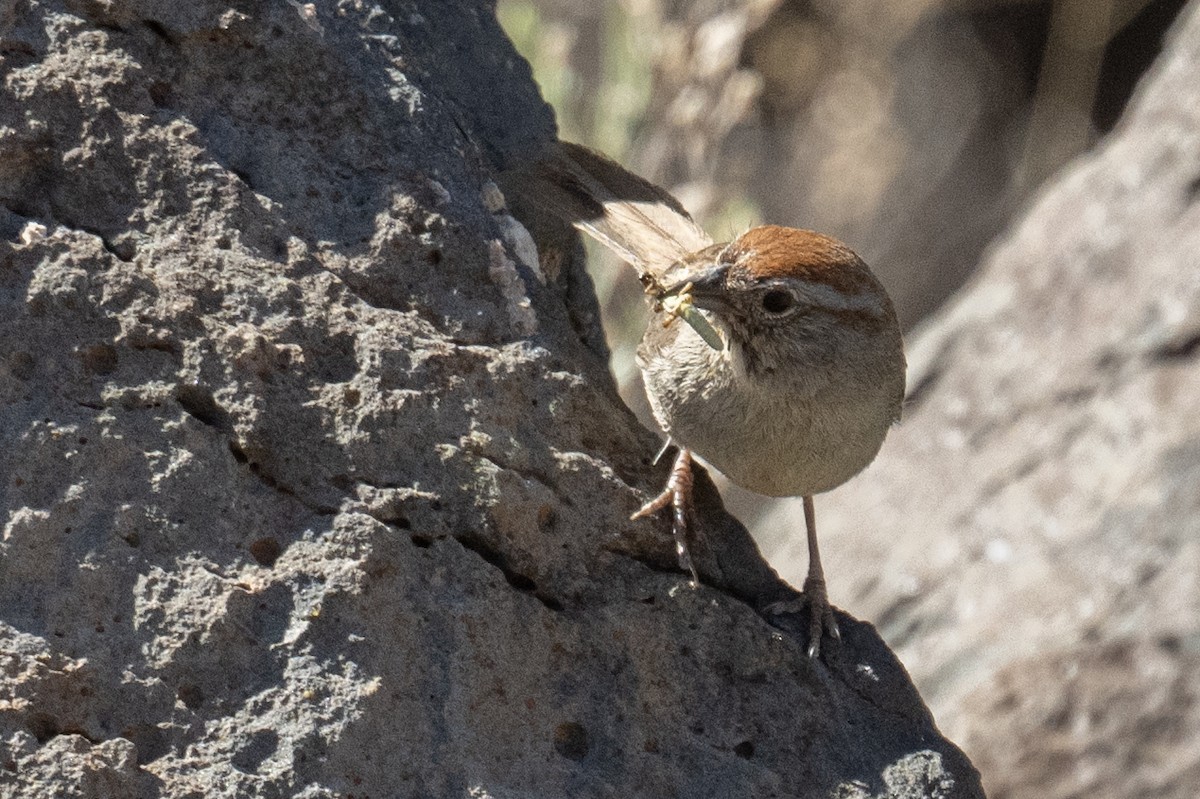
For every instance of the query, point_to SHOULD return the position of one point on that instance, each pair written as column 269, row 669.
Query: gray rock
column 313, row 488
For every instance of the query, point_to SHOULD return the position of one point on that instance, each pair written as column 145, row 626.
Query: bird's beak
column 707, row 286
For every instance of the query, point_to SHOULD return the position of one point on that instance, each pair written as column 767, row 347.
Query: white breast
column 805, row 439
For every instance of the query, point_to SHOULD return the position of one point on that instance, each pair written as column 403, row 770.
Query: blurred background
column 916, row 131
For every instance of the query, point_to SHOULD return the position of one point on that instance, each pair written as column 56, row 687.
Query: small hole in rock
column 571, row 740
column 199, row 402
column 191, row 695
column 22, row 365
column 42, row 726
column 160, row 93
column 100, row 359
column 266, row 551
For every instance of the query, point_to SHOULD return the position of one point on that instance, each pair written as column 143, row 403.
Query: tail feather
column 638, row 221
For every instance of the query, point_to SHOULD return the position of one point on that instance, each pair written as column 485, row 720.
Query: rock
column 313, row 487
column 1038, row 509
column 1112, row 719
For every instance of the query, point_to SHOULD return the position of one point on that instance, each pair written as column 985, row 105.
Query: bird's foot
column 677, row 494
column 820, row 615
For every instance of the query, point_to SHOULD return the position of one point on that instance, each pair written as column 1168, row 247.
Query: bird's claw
column 677, row 494
column 820, row 619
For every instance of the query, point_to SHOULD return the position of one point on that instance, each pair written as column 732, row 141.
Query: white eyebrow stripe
column 823, row 296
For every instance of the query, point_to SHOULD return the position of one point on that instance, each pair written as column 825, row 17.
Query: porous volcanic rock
column 315, row 484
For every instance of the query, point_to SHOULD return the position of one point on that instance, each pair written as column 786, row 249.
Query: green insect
column 680, row 306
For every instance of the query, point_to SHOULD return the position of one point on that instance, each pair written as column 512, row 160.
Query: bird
column 776, row 357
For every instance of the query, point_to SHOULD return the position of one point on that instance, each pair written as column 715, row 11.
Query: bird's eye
column 777, row 301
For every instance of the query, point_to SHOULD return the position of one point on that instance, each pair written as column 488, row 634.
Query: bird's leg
column 820, row 613
column 677, row 494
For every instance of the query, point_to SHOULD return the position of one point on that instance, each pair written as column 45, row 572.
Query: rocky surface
column 1029, row 538
column 313, row 487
